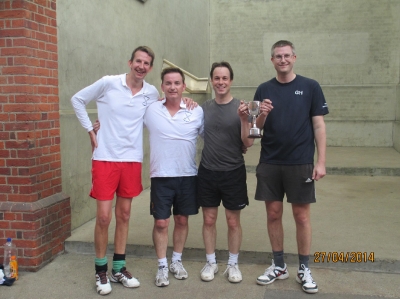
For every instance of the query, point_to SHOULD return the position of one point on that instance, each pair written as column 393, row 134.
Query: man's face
column 283, row 59
column 173, row 86
column 140, row 65
column 221, row 81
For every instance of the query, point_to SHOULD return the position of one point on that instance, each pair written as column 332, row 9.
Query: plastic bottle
column 9, row 251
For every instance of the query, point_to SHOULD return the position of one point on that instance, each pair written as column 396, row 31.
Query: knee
column 103, row 220
column 161, row 224
column 302, row 220
column 233, row 223
column 274, row 215
column 209, row 221
column 123, row 215
column 181, row 220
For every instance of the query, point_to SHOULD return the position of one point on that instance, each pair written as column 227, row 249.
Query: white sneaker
column 103, row 283
column 162, row 277
column 305, row 279
column 178, row 270
column 271, row 273
column 208, row 271
column 233, row 273
column 124, row 277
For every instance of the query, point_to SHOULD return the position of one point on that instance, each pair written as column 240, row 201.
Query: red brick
column 29, row 117
column 19, row 126
column 5, row 189
column 21, row 180
column 14, row 14
column 17, row 70
column 31, row 225
column 28, row 98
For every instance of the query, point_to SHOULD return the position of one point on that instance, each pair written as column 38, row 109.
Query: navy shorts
column 227, row 186
column 178, row 193
column 274, row 181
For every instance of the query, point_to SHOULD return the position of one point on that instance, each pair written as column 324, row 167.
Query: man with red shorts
column 117, row 158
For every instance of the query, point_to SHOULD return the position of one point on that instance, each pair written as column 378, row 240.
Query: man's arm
column 79, row 102
column 320, row 140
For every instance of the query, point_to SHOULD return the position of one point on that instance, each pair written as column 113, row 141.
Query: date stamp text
column 344, row 257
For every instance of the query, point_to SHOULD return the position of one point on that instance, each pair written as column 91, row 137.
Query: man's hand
column 190, row 104
column 243, row 111
column 244, row 149
column 266, row 107
column 96, row 126
column 93, row 139
column 319, row 171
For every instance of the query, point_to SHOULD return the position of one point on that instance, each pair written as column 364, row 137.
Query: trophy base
column 254, row 133
column 254, row 136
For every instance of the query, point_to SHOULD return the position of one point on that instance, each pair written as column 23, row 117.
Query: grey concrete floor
column 71, row 275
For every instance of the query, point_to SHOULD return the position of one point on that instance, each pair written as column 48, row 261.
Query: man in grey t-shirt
column 222, row 173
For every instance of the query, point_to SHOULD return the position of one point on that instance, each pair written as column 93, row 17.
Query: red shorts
column 122, row 178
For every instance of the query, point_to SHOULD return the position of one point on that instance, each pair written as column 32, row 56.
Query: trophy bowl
column 254, row 110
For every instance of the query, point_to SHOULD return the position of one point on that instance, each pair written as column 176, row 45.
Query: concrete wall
column 350, row 47
column 96, row 38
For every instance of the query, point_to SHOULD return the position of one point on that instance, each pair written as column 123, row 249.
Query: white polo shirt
column 120, row 138
column 173, row 140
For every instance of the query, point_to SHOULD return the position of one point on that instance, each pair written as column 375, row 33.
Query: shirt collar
column 182, row 104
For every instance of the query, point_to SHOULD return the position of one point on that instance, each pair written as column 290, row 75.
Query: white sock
column 176, row 256
column 233, row 258
column 163, row 262
column 211, row 258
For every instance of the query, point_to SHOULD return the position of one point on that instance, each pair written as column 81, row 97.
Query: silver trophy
column 254, row 110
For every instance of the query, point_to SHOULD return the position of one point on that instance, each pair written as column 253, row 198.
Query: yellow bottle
column 14, row 267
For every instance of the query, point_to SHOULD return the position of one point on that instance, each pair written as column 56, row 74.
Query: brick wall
column 33, row 210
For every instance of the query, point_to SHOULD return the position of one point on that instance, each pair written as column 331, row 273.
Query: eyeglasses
column 280, row 57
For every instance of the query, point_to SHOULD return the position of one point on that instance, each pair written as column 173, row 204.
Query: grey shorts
column 274, row 181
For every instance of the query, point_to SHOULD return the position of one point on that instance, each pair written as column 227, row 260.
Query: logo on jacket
column 298, row 92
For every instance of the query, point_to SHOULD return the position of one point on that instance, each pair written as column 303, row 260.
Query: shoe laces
column 162, row 272
column 103, row 277
column 207, row 268
column 270, row 270
column 126, row 273
column 232, row 270
column 307, row 275
column 178, row 265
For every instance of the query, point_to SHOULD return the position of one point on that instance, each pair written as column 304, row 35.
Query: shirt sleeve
column 83, row 97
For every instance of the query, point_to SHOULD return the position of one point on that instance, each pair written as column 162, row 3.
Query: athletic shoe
column 208, row 271
column 162, row 277
column 103, row 283
column 272, row 273
column 124, row 277
column 305, row 279
column 233, row 273
column 178, row 270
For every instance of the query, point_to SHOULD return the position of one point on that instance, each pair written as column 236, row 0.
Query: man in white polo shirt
column 117, row 157
column 173, row 132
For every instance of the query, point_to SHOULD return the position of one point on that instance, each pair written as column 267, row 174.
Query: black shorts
column 274, row 181
column 178, row 193
column 228, row 186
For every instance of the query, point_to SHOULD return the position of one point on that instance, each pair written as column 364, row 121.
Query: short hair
column 171, row 69
column 221, row 64
column 146, row 50
column 282, row 43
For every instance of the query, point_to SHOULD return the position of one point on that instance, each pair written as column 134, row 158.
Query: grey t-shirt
column 222, row 136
